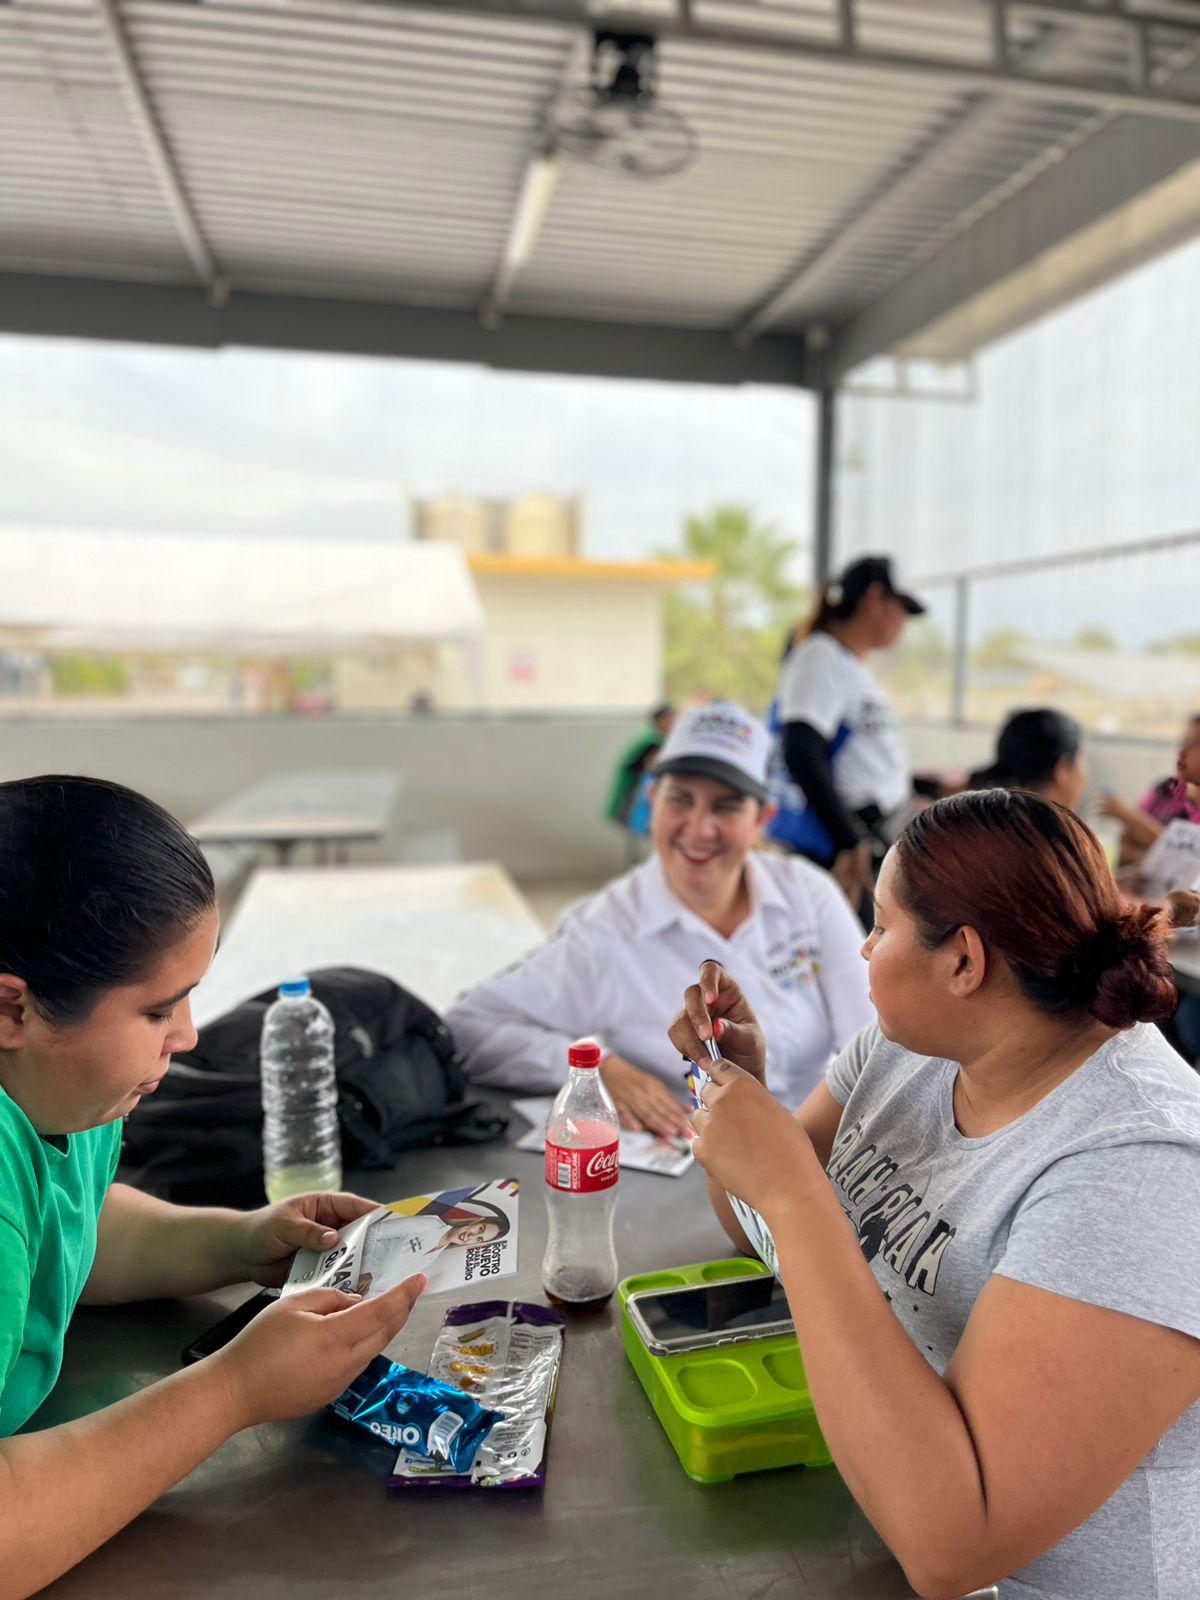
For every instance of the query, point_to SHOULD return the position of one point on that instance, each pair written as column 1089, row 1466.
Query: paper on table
column 457, row 1237
column 640, row 1152
column 1172, row 861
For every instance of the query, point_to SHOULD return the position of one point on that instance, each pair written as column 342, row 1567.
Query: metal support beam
column 847, row 24
column 962, row 627
column 1001, row 44
column 895, row 193
column 159, row 152
column 854, row 59
column 1109, row 13
column 1113, row 169
column 173, row 314
column 823, row 484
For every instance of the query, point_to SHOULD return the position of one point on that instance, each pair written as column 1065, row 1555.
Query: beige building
column 558, row 632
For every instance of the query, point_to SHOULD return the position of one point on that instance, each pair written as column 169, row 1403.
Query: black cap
column 858, row 577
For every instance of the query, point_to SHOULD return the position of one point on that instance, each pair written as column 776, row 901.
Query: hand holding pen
column 717, row 1022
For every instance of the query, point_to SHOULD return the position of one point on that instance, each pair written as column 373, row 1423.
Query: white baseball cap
column 719, row 741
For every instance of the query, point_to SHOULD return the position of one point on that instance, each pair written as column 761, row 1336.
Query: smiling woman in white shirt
column 706, row 893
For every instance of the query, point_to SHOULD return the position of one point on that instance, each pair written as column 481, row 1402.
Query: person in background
column 635, row 760
column 839, row 741
column 1003, row 1345
column 1040, row 750
column 1178, row 796
column 706, row 890
column 107, row 923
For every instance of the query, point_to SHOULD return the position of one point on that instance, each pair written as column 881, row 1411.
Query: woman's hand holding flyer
column 458, row 1238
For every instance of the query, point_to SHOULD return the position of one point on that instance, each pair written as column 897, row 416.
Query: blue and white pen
column 695, row 1077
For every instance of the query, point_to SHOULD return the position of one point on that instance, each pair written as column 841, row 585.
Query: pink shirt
column 1168, row 800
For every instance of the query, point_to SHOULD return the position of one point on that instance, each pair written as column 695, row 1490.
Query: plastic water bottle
column 582, row 1168
column 302, row 1146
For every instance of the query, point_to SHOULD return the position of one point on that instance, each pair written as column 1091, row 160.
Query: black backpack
column 198, row 1139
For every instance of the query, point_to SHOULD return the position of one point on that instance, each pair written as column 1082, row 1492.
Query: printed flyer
column 461, row 1238
column 640, row 1152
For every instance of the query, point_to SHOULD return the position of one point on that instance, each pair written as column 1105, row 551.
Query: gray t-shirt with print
column 1093, row 1194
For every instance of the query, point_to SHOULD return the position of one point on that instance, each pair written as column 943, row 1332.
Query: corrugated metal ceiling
column 379, row 150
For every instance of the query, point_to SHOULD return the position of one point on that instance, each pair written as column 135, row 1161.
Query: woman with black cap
column 843, row 770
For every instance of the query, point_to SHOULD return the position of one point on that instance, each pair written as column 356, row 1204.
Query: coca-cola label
column 582, row 1171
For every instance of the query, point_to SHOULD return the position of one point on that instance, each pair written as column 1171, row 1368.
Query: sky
column 134, row 437
column 1085, row 431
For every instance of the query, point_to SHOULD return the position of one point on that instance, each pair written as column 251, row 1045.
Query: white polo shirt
column 619, row 961
column 831, row 689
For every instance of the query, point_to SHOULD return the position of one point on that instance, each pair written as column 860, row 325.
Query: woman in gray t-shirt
column 1004, row 1344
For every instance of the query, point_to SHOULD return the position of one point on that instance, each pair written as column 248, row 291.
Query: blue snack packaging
column 417, row 1413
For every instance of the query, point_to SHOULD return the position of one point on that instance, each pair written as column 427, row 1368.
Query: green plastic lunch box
column 732, row 1409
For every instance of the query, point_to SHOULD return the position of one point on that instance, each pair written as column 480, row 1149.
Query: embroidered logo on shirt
column 794, row 962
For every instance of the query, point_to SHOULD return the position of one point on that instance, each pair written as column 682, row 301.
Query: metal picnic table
column 330, row 810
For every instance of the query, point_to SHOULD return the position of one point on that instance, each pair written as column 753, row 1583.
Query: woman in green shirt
column 107, row 923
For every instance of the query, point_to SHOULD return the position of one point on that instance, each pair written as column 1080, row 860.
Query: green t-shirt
column 631, row 763
column 51, row 1191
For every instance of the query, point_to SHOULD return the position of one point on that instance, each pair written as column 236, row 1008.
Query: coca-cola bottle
column 582, row 1168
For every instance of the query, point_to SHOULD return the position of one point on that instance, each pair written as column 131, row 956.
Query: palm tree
column 724, row 639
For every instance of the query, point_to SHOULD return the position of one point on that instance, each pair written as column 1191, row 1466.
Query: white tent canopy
column 68, row 589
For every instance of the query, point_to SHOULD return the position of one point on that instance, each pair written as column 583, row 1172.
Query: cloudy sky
column 113, row 436
column 1085, row 431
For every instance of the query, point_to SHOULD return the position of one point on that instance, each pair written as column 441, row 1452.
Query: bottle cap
column 293, row 988
column 584, row 1053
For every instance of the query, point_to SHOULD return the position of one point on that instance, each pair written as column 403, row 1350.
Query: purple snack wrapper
column 505, row 1355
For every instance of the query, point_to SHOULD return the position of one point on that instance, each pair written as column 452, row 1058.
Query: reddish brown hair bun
column 1033, row 882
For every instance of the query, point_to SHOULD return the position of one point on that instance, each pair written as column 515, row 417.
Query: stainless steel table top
column 298, row 1511
column 436, row 930
column 296, row 806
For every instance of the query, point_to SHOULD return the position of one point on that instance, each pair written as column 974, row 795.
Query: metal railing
column 962, row 583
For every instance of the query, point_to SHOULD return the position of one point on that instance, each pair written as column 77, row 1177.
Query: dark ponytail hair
column 1029, row 748
column 832, row 606
column 1032, row 880
column 96, row 882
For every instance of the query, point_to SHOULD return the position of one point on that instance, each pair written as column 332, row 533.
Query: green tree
column 1002, row 647
column 923, row 654
column 80, row 674
column 1094, row 639
column 725, row 639
column 1183, row 644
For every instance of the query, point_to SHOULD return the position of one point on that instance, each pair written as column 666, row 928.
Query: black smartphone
column 726, row 1312
column 229, row 1327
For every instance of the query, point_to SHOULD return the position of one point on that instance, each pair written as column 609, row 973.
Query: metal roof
column 386, row 152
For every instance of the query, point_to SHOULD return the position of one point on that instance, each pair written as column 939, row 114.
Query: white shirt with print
column 619, row 961
column 831, row 689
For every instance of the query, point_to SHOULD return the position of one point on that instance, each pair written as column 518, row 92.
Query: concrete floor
column 549, row 900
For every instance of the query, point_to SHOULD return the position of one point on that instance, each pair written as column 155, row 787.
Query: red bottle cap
column 584, row 1053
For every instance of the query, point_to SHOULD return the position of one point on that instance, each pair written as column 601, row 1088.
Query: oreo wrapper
column 434, row 1421
column 506, row 1354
